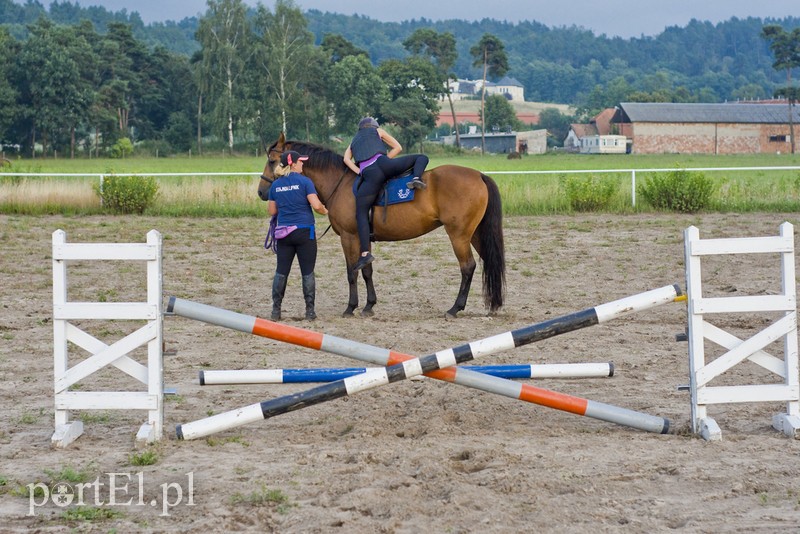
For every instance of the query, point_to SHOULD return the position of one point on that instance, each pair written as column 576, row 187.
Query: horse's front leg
column 350, row 249
column 352, row 302
column 372, row 297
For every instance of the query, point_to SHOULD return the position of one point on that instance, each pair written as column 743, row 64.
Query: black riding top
column 366, row 143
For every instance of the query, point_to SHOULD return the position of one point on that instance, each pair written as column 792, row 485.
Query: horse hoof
column 450, row 315
column 347, row 313
column 367, row 313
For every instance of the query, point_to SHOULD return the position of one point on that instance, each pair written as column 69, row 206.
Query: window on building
column 778, row 138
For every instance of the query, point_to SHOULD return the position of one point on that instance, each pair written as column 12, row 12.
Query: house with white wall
column 507, row 86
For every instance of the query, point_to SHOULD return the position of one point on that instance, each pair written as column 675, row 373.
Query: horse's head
column 273, row 158
column 323, row 166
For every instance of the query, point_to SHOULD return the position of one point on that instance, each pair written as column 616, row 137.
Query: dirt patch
column 416, row 456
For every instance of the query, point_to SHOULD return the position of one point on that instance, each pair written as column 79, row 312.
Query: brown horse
column 464, row 201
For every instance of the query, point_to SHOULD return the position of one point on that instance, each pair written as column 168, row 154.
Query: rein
column 333, row 193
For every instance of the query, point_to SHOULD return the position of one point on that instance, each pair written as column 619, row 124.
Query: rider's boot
column 278, row 289
column 309, row 293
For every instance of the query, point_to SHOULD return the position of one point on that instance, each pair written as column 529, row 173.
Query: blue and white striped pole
column 298, row 376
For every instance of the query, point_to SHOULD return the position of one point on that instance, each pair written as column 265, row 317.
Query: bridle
column 270, row 180
column 333, row 193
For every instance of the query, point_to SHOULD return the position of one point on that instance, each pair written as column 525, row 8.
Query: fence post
column 633, row 188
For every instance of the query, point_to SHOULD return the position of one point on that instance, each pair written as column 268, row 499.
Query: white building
column 509, row 87
column 603, row 144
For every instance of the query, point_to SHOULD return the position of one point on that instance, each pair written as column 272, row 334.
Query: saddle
column 394, row 191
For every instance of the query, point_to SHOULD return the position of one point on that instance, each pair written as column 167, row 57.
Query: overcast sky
column 625, row 18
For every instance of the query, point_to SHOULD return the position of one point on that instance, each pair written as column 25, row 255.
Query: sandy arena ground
column 416, row 456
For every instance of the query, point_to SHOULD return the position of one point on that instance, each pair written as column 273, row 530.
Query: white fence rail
column 632, row 173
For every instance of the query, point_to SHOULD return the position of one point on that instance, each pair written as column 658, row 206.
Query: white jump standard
column 432, row 363
column 104, row 355
column 783, row 304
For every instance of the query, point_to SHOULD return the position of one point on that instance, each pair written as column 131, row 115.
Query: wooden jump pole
column 228, row 377
column 438, row 365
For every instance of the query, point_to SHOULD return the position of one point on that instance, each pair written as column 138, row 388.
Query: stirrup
column 416, row 183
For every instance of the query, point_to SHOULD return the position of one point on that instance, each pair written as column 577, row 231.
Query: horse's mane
column 320, row 157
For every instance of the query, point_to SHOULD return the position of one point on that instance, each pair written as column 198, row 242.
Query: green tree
column 356, row 90
column 500, row 114
column 202, row 85
column 785, row 47
column 339, row 48
column 111, row 81
column 170, row 89
column 226, row 42
column 411, row 117
column 283, row 53
column 9, row 109
column 178, row 132
column 315, row 108
column 51, row 65
column 440, row 48
column 605, row 96
column 416, row 80
column 490, row 54
column 124, row 62
column 557, row 125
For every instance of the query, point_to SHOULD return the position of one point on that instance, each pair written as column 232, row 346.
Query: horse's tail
column 492, row 248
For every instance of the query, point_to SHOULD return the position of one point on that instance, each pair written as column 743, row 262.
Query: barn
column 526, row 142
column 729, row 128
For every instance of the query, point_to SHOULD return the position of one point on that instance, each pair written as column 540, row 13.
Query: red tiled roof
column 603, row 121
column 584, row 130
column 446, row 117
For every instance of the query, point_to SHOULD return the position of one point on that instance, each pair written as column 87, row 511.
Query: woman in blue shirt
column 292, row 196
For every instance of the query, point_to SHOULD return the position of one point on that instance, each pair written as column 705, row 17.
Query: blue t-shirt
column 290, row 193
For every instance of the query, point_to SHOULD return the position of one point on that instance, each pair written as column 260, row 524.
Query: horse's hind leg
column 466, row 263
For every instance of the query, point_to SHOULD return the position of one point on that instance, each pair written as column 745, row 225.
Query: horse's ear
column 281, row 141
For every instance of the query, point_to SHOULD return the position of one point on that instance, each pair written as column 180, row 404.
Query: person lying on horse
column 367, row 156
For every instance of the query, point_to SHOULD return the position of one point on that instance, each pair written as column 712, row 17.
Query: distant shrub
column 588, row 193
column 127, row 194
column 122, row 148
column 678, row 190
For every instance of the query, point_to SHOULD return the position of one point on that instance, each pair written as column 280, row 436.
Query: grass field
column 206, row 193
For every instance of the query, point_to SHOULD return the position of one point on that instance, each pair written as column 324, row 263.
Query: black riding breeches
column 300, row 244
column 373, row 178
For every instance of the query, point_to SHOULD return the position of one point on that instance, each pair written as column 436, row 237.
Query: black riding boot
column 309, row 292
column 278, row 289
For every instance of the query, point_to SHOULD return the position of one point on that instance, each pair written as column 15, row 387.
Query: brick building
column 730, row 128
